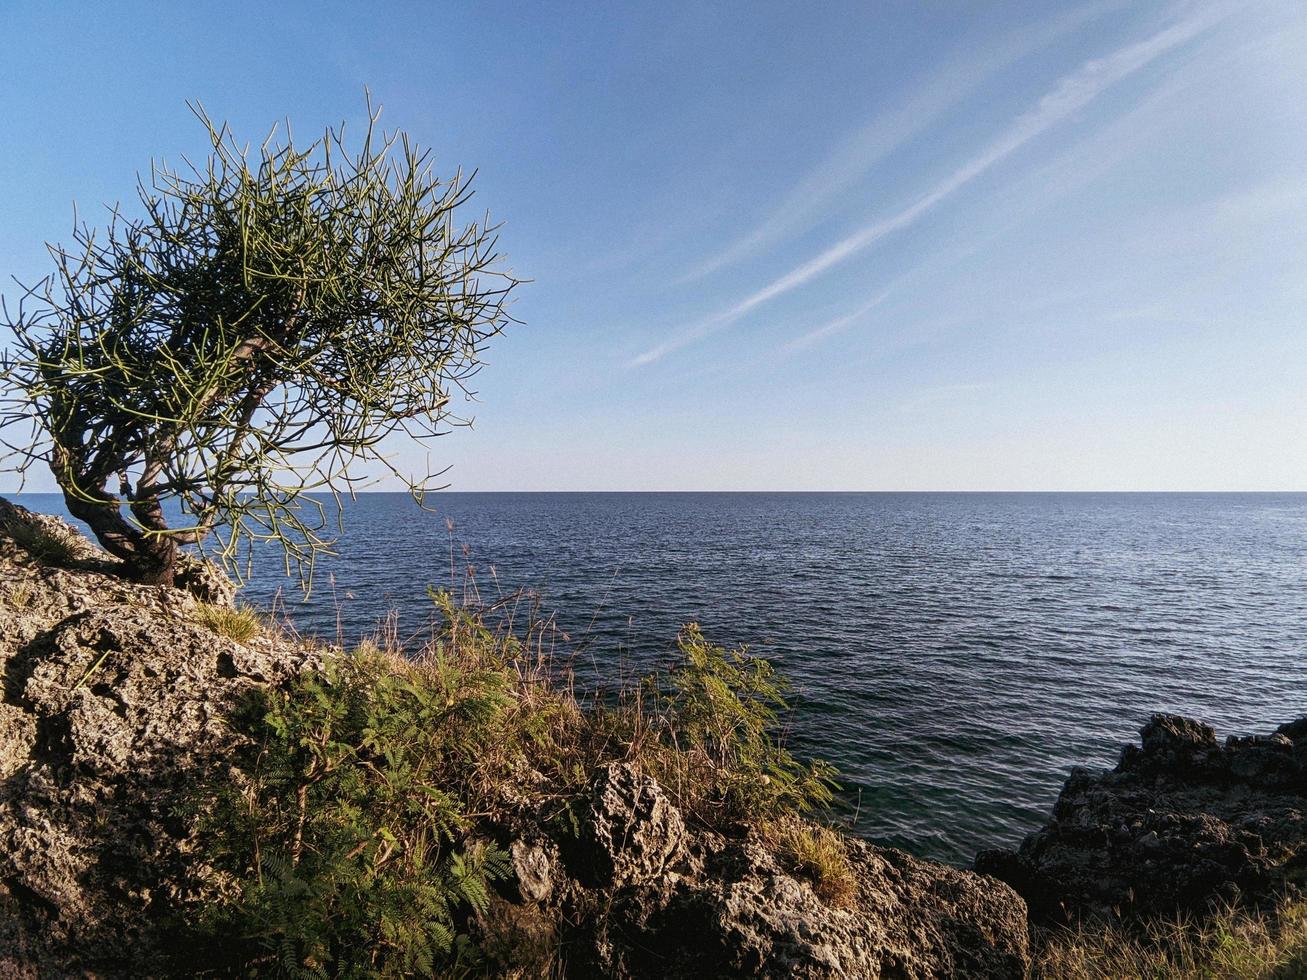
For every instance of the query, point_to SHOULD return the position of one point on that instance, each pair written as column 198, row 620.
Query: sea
column 953, row 654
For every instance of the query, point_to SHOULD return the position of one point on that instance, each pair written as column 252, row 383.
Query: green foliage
column 241, row 623
column 353, row 856
column 357, row 836
column 255, row 332
column 721, row 711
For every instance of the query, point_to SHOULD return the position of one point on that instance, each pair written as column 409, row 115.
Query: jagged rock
column 636, row 832
column 740, row 914
column 1182, row 824
column 533, row 869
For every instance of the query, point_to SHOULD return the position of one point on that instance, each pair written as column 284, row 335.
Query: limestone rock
column 205, row 580
column 1182, row 823
column 533, row 869
column 112, row 706
column 637, row 833
column 725, row 907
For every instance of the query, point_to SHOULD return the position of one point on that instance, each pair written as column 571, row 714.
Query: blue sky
column 831, row 246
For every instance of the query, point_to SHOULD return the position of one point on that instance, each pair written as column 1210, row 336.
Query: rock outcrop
column 678, row 903
column 113, row 703
column 1183, row 824
column 112, row 708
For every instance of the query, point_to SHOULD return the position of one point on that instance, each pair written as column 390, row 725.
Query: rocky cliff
column 117, row 701
column 115, row 705
column 1183, row 824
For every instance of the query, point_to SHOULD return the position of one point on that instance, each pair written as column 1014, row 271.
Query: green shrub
column 352, row 857
column 720, row 713
column 357, row 837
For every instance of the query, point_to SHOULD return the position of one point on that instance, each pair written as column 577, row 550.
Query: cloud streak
column 1072, row 93
column 859, row 153
column 836, row 325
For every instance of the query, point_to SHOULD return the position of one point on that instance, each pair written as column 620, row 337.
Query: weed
column 359, row 837
column 816, row 853
column 718, row 714
column 354, row 856
column 1233, row 944
column 47, row 546
column 240, row 623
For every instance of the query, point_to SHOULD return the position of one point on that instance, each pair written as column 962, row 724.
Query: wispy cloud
column 836, row 325
column 941, row 395
column 861, row 151
column 1068, row 96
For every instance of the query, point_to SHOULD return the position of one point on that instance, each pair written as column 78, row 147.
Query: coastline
column 116, row 698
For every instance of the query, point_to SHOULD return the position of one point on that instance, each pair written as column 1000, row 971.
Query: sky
column 838, row 246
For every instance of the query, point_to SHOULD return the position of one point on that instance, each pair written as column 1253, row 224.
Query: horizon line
column 448, row 491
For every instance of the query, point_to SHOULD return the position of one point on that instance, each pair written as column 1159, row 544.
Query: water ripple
column 955, row 653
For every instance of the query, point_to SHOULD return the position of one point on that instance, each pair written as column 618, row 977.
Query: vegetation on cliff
column 178, row 795
column 356, row 834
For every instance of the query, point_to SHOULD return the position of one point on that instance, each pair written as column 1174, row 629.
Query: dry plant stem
column 302, row 803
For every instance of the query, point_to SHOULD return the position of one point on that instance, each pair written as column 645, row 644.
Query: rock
column 112, row 704
column 205, row 580
column 533, row 870
column 636, row 832
column 686, row 902
column 1182, row 824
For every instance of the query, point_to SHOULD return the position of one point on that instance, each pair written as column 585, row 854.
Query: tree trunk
column 147, row 558
column 156, row 563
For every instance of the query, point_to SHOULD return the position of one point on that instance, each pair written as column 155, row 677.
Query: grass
column 816, row 853
column 1234, row 944
column 239, row 623
column 46, row 546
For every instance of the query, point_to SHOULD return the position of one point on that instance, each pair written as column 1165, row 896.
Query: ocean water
column 955, row 654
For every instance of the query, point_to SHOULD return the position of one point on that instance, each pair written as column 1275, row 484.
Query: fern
column 354, row 859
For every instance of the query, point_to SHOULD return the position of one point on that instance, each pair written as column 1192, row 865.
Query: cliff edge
column 117, row 703
column 1184, row 824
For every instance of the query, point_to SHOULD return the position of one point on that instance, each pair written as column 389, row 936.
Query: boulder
column 1183, row 824
column 635, row 832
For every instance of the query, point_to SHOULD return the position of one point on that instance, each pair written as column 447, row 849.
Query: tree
column 254, row 335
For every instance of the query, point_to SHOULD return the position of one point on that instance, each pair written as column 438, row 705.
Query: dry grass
column 19, row 594
column 240, row 624
column 1232, row 945
column 817, row 854
column 45, row 545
